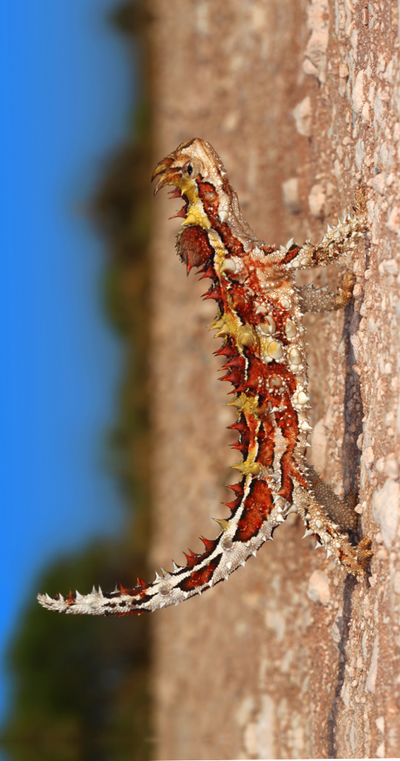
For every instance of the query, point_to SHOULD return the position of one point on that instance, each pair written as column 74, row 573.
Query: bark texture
column 291, row 658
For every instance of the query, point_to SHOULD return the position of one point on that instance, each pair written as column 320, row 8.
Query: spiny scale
column 260, row 320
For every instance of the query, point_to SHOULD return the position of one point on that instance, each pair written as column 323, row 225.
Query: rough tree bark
column 291, row 658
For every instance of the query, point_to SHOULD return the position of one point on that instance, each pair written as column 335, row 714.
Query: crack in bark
column 351, row 459
column 344, row 628
column 353, row 406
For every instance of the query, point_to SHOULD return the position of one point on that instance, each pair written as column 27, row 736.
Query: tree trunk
column 291, row 658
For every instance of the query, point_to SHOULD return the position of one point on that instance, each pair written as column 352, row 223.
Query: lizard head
column 199, row 176
column 192, row 160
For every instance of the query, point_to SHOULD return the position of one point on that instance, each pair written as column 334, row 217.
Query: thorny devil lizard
column 260, row 319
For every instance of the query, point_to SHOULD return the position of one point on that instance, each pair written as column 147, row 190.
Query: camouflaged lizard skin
column 260, row 321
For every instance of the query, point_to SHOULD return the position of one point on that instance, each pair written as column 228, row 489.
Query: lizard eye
column 192, row 168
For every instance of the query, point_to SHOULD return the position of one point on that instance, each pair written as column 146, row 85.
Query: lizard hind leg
column 340, row 511
column 327, row 517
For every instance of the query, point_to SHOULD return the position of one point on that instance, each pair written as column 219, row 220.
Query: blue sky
column 67, row 101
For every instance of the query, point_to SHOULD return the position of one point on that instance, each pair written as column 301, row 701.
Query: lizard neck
column 215, row 206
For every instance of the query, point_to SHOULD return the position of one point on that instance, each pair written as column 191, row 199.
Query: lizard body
column 260, row 322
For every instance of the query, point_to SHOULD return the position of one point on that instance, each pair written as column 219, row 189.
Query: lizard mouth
column 168, row 175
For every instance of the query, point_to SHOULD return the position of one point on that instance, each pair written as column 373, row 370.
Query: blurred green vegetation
column 121, row 210
column 80, row 684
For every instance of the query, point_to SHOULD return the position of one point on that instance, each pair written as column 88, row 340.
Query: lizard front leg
column 323, row 300
column 337, row 241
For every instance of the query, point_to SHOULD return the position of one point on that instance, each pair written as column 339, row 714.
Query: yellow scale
column 230, row 323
